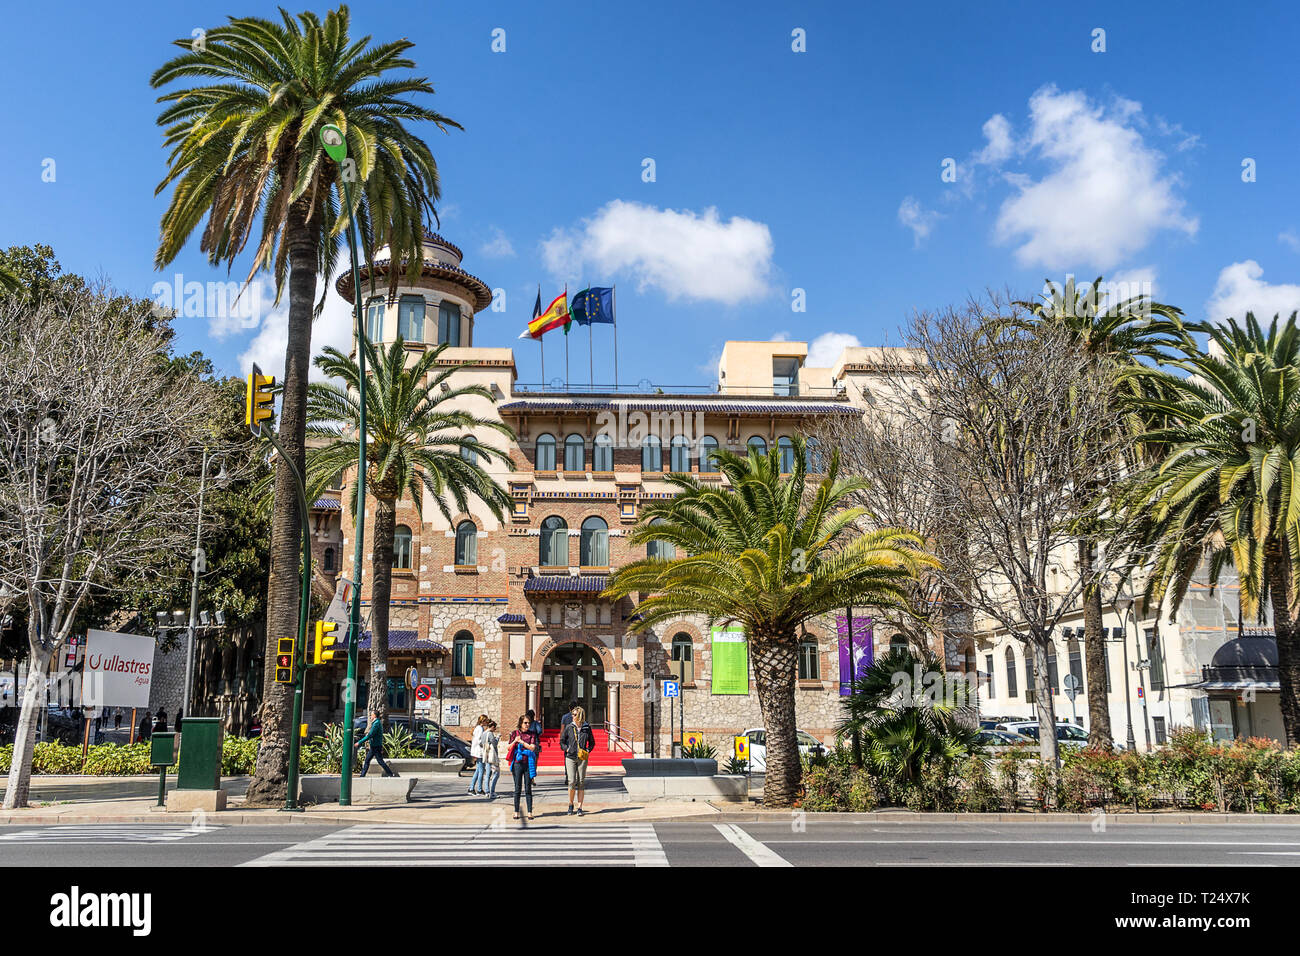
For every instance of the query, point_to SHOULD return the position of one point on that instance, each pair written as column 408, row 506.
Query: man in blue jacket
column 374, row 735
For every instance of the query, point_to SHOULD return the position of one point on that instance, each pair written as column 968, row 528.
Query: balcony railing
column 647, row 388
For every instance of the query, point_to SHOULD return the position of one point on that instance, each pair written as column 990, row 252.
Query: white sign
column 117, row 669
column 451, row 715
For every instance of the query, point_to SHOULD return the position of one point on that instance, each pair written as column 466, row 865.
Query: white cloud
column 695, row 257
column 781, row 337
column 1241, row 289
column 1000, row 145
column 1128, row 283
column 920, row 220
column 498, row 247
column 826, row 348
column 1106, row 194
column 1289, row 238
column 267, row 348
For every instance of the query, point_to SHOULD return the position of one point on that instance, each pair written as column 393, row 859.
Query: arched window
column 545, row 457
column 813, row 456
column 375, row 318
column 410, row 318
column 660, row 549
column 758, row 445
column 602, row 454
column 809, row 659
column 468, row 453
column 683, row 653
column 575, row 450
column 462, row 654
column 449, row 324
column 402, row 547
column 593, row 548
column 327, row 563
column 708, row 445
column 897, row 644
column 679, row 454
column 555, row 543
column 1010, row 657
column 466, row 544
column 786, row 449
column 652, row 454
column 1052, row 683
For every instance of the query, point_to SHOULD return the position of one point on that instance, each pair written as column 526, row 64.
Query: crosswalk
column 103, row 833
column 612, row 844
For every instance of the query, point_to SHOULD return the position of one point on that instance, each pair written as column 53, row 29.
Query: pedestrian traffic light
column 284, row 660
column 258, row 406
column 328, row 644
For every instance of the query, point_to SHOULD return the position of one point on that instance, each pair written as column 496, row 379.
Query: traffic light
column 284, row 660
column 258, row 406
column 328, row 644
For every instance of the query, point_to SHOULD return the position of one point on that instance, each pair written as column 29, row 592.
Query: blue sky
column 774, row 170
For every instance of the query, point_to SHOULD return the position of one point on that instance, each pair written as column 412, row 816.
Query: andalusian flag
column 556, row 314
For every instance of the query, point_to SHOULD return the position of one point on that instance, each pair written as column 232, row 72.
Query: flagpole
column 613, row 302
column 542, row 343
column 591, row 362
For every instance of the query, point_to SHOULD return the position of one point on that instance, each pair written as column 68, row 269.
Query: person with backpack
column 160, row 723
column 374, row 736
column 491, row 759
column 576, row 741
column 522, row 753
column 477, row 783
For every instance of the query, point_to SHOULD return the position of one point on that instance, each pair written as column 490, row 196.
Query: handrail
column 617, row 733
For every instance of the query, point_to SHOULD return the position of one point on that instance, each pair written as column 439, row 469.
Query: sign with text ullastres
column 118, row 669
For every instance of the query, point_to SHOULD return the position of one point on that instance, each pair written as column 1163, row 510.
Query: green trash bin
column 200, row 754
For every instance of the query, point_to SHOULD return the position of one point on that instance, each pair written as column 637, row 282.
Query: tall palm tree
column 768, row 552
column 1228, row 487
column 417, row 439
column 1116, row 337
column 9, row 282
column 245, row 154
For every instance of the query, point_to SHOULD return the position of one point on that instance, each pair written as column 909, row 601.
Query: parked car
column 808, row 746
column 425, row 735
column 1000, row 738
column 1070, row 735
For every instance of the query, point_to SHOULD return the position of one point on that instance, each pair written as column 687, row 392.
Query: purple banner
column 861, row 649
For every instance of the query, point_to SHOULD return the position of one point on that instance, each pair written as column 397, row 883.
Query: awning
column 566, row 584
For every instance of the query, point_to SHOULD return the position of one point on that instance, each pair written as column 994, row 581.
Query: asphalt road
column 600, row 841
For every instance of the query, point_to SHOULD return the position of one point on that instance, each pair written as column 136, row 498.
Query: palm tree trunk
column 269, row 783
column 776, row 662
column 1094, row 652
column 1286, row 630
column 381, row 590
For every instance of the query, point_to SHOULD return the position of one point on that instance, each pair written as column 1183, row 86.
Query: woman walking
column 476, row 784
column 521, row 753
column 576, row 742
column 491, row 759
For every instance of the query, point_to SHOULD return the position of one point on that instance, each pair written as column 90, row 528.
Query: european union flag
column 593, row 306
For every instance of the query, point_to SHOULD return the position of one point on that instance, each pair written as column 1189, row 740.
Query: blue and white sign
column 672, row 688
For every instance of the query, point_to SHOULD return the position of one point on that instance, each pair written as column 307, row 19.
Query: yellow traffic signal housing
column 259, row 404
column 326, row 639
column 284, row 654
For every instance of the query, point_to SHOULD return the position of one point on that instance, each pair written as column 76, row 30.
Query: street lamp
column 334, row 142
column 198, row 566
column 1124, row 603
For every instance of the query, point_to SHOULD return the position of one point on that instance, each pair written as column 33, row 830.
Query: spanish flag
column 556, row 315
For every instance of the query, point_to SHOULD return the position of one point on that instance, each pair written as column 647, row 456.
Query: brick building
column 509, row 614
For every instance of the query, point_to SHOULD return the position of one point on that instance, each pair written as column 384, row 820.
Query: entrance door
column 573, row 672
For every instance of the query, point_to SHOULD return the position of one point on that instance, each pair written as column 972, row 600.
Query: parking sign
column 672, row 688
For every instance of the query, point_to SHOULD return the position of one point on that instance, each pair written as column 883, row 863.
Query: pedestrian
column 520, row 754
column 564, row 722
column 478, row 781
column 146, row 727
column 179, row 719
column 374, row 736
column 491, row 759
column 160, row 723
column 576, row 741
column 117, row 718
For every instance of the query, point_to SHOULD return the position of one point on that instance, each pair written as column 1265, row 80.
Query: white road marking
column 757, row 852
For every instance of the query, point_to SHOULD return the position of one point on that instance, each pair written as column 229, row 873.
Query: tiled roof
column 435, row 268
column 567, row 584
column 403, row 640
column 511, row 619
column 721, row 404
column 327, row 504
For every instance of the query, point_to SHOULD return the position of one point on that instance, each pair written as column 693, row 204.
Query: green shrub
column 700, row 751
column 239, row 756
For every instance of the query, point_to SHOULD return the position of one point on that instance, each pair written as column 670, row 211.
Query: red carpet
column 601, row 756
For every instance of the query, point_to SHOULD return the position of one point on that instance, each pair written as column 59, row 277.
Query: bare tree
column 985, row 450
column 99, row 442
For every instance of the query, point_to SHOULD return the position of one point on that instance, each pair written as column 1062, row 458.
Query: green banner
column 730, row 661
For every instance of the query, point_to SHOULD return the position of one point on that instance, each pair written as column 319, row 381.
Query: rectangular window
column 1031, row 692
column 602, row 457
column 1076, row 659
column 573, row 454
column 808, row 663
column 785, row 376
column 1159, row 724
column 463, row 659
column 1012, row 690
column 449, row 324
column 1156, row 658
column 988, row 680
column 375, row 319
column 410, row 318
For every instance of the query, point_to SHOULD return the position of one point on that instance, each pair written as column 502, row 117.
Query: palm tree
column 417, row 440
column 1228, row 487
column 1116, row 337
column 245, row 147
column 9, row 283
column 903, row 724
column 769, row 553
